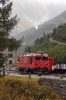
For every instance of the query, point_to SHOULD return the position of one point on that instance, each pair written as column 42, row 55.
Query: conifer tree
column 7, row 24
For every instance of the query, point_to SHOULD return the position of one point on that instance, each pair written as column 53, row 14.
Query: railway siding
column 59, row 85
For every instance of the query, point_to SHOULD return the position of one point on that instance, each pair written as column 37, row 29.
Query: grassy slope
column 23, row 88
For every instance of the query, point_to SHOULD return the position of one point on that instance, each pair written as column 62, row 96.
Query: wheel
column 46, row 71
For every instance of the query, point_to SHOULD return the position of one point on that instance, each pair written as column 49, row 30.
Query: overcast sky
column 35, row 12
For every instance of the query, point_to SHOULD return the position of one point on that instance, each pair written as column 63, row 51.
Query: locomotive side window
column 45, row 58
column 31, row 60
column 25, row 60
column 20, row 60
column 38, row 58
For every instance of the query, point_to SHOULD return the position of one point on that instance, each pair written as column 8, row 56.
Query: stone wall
column 59, row 85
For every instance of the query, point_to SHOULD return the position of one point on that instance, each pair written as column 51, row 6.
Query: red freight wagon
column 35, row 62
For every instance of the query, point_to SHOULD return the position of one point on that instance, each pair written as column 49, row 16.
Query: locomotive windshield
column 45, row 59
column 38, row 58
column 41, row 58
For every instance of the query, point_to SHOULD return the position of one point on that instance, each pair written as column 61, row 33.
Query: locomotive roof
column 36, row 54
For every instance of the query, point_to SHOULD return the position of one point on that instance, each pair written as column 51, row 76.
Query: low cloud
column 35, row 12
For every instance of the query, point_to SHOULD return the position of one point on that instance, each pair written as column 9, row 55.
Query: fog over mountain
column 35, row 12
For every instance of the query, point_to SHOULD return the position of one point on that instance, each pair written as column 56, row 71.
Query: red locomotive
column 35, row 62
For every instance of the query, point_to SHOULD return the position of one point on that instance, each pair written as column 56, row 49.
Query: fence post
column 29, row 75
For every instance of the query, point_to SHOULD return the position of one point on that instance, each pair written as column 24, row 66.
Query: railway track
column 13, row 72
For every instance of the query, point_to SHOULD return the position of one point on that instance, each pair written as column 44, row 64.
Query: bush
column 21, row 89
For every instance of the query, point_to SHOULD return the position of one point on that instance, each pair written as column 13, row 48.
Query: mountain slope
column 54, row 45
column 55, row 50
column 31, row 34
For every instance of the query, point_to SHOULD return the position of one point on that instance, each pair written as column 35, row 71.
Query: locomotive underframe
column 34, row 70
column 40, row 70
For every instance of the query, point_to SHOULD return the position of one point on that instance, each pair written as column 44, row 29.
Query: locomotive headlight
column 52, row 67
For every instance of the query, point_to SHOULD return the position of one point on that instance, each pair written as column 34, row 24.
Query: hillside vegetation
column 60, row 33
column 53, row 49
